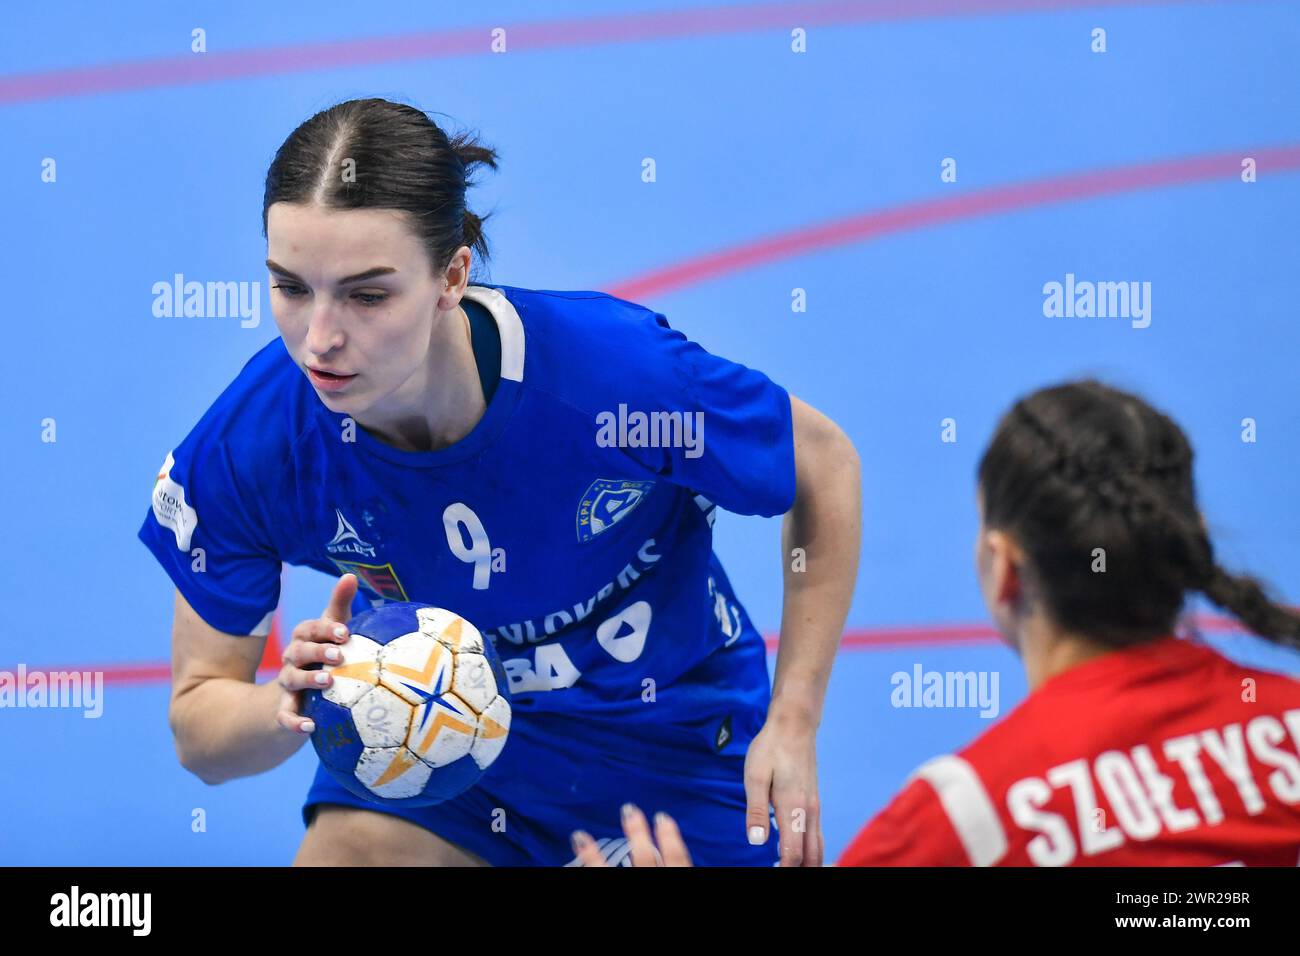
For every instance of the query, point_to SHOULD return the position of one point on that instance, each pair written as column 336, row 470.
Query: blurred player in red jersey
column 1134, row 746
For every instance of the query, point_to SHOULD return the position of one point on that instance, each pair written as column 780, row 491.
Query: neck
column 443, row 401
column 1048, row 650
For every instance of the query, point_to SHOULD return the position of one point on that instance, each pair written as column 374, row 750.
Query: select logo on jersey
column 347, row 541
column 607, row 502
column 378, row 579
column 169, row 507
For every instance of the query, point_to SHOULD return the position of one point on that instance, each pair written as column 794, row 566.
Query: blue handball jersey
column 572, row 525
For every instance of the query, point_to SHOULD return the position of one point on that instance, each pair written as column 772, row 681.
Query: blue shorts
column 563, row 772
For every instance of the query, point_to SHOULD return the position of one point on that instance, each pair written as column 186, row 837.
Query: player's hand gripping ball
column 418, row 710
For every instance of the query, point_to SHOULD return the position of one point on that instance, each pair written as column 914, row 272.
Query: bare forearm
column 226, row 728
column 820, row 541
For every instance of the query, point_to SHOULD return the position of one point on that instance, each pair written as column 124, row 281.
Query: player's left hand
column 640, row 845
column 781, row 772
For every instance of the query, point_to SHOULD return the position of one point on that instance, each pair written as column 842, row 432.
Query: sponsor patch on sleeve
column 169, row 507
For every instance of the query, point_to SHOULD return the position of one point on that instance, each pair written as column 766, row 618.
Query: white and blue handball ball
column 418, row 710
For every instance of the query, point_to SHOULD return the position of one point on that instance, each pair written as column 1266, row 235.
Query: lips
column 327, row 380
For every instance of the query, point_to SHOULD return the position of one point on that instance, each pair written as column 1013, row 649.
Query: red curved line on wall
column 958, row 206
column 218, row 66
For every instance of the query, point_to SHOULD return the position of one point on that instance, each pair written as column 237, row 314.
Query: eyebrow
column 359, row 277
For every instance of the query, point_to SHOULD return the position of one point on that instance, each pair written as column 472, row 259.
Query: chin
column 343, row 404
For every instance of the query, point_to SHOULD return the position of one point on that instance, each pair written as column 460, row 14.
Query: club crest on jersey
column 607, row 502
column 379, row 579
column 347, row 541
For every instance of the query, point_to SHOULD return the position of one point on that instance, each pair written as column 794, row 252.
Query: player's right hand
column 314, row 642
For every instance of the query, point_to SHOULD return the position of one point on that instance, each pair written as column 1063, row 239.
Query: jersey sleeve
column 208, row 531
column 914, row 830
column 741, row 450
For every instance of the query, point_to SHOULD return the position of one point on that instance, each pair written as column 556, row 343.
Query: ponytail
column 1245, row 599
column 473, row 154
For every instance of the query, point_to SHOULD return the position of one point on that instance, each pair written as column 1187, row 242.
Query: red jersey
column 1164, row 754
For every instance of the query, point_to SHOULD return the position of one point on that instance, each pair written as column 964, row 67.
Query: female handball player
column 483, row 448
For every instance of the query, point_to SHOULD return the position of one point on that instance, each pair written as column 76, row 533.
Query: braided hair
column 1082, row 466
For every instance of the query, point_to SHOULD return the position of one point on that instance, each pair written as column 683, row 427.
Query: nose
column 324, row 331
